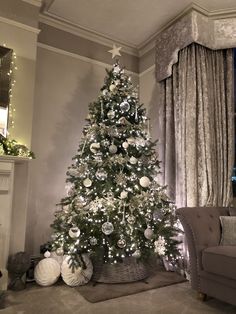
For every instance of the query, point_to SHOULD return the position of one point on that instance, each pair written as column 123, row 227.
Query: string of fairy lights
column 12, row 82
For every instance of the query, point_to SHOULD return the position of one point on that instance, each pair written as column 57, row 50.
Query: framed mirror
column 6, row 55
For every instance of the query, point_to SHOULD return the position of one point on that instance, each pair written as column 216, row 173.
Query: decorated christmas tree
column 115, row 207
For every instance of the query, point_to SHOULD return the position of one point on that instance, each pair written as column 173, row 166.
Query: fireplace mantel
column 13, row 209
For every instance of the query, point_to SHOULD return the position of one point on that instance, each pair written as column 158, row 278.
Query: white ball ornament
column 123, row 194
column 113, row 149
column 80, row 276
column 133, row 160
column 47, row 272
column 87, row 182
column 144, row 182
column 148, row 233
column 125, row 145
column 112, row 87
column 74, row 232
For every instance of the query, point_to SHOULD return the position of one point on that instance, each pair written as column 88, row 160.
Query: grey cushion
column 228, row 224
column 220, row 260
column 232, row 211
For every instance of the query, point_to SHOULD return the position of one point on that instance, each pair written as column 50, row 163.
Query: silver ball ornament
column 101, row 174
column 107, row 228
column 121, row 243
column 111, row 114
column 124, row 106
column 148, row 233
column 113, row 149
column 93, row 241
column 131, row 219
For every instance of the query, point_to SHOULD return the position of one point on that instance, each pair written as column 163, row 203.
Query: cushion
column 228, row 236
column 220, row 260
column 232, row 211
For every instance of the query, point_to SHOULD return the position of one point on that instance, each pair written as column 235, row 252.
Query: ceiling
column 131, row 22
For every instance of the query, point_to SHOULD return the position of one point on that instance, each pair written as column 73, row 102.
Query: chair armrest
column 202, row 230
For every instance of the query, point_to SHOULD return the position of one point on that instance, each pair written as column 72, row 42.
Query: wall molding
column 150, row 69
column 82, row 58
column 36, row 3
column 57, row 22
column 20, row 25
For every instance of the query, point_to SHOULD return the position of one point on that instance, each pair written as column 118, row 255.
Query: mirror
column 5, row 87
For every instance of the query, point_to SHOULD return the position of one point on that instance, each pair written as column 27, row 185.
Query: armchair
column 212, row 266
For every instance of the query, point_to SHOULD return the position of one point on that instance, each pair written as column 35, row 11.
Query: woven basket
column 128, row 271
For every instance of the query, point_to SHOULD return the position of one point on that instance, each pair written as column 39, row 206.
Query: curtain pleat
column 199, row 127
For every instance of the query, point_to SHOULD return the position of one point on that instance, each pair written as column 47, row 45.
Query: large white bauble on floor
column 47, row 272
column 80, row 276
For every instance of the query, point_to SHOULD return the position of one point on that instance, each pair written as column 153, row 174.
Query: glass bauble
column 87, row 182
column 111, row 114
column 144, row 182
column 93, row 241
column 113, row 149
column 74, row 232
column 148, row 233
column 124, row 106
column 131, row 219
column 101, row 174
column 107, row 228
column 121, row 243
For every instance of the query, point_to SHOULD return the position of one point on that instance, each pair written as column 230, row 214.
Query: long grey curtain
column 198, row 112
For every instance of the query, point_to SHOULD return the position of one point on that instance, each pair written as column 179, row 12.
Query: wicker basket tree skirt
column 129, row 271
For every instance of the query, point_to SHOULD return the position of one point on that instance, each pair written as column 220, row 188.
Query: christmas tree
column 115, row 206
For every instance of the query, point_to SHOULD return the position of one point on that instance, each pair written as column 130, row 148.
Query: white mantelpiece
column 13, row 207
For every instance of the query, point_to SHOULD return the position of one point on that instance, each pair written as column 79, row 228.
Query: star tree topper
column 115, row 51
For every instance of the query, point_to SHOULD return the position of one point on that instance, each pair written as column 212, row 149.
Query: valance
column 209, row 30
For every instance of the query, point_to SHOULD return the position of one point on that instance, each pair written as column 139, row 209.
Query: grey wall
column 64, row 87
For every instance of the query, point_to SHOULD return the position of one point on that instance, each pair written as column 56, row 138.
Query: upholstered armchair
column 212, row 266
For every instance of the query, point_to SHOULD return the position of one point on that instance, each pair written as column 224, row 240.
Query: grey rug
column 102, row 292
